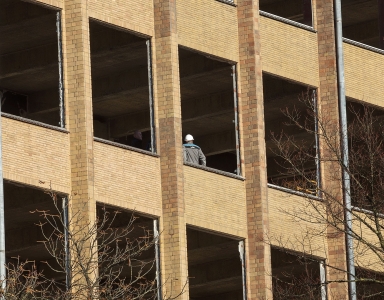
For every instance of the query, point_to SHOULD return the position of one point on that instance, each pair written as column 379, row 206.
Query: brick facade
column 331, row 172
column 160, row 185
column 174, row 240
column 251, row 106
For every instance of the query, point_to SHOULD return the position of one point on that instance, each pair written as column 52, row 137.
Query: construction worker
column 192, row 152
column 137, row 140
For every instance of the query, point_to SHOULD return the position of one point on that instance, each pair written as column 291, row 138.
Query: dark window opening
column 126, row 249
column 296, row 276
column 290, row 136
column 214, row 267
column 30, row 64
column 296, row 10
column 209, row 109
column 23, row 236
column 121, row 87
column 366, row 163
column 369, row 284
column 363, row 21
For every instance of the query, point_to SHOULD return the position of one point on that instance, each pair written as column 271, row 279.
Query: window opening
column 215, row 271
column 296, row 10
column 128, row 254
column 236, row 121
column 209, row 110
column 22, row 233
column 61, row 74
column 363, row 21
column 31, row 62
column 156, row 237
column 365, row 136
column 243, row 268
column 292, row 145
column 122, row 95
column 369, row 284
column 296, row 274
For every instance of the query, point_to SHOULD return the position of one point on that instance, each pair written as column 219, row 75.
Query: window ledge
column 32, row 122
column 293, row 192
column 227, row 174
column 96, row 139
column 364, row 46
column 229, row 2
column 287, row 21
column 366, row 211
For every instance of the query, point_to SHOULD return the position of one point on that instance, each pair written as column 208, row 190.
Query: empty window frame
column 297, row 275
column 215, row 266
column 295, row 10
column 209, row 108
column 31, row 75
column 128, row 254
column 291, row 142
column 363, row 21
column 365, row 135
column 369, row 284
column 122, row 86
column 23, row 207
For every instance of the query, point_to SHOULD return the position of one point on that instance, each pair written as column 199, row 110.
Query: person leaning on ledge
column 192, row 152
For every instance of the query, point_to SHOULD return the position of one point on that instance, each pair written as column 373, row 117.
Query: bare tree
column 324, row 206
column 112, row 257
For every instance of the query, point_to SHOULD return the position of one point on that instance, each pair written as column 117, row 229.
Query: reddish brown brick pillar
column 78, row 97
column 173, row 236
column 329, row 111
column 259, row 285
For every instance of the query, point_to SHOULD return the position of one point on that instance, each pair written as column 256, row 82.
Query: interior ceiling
column 279, row 95
column 27, row 31
column 354, row 11
column 119, row 71
column 20, row 201
column 358, row 11
column 23, row 234
column 214, row 264
column 360, row 17
column 209, row 125
column 200, row 77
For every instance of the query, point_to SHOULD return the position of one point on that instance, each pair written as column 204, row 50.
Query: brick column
column 259, row 283
column 78, row 95
column 167, row 101
column 329, row 111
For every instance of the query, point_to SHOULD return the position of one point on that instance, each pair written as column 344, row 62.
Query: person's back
column 192, row 152
column 137, row 140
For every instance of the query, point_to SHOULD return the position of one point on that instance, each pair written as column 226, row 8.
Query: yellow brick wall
column 286, row 230
column 364, row 257
column 33, row 155
column 364, row 73
column 133, row 15
column 215, row 202
column 208, row 26
column 289, row 51
column 127, row 179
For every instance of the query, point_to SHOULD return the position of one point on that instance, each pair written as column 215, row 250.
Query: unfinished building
column 98, row 95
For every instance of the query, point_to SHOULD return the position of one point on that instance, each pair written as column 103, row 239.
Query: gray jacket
column 193, row 154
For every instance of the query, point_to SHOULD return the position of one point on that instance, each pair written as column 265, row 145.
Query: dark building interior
column 214, row 266
column 207, row 106
column 29, row 62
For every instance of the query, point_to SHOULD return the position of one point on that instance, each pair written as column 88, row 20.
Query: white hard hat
column 188, row 138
